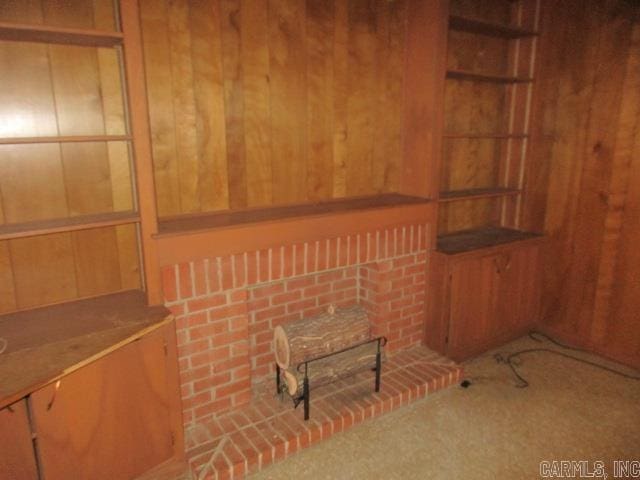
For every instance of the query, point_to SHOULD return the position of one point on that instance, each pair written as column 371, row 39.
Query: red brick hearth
column 269, row 429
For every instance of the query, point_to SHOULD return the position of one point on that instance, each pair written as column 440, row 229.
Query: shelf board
column 84, row 222
column 483, row 77
column 232, row 218
column 486, row 135
column 475, row 193
column 65, row 139
column 470, row 240
column 472, row 25
column 67, row 36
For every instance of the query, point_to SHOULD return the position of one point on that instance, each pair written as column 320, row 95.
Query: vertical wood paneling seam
column 527, row 117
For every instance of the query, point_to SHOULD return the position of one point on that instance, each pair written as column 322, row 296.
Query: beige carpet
column 490, row 430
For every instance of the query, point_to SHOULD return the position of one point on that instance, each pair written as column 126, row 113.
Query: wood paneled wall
column 60, row 90
column 584, row 188
column 266, row 102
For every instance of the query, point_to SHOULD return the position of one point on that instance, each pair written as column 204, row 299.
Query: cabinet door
column 518, row 294
column 472, row 315
column 110, row 419
column 17, row 459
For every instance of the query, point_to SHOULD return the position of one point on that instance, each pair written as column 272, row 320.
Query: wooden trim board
column 180, row 246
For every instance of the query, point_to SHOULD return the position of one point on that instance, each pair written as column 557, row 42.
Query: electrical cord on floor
column 512, row 360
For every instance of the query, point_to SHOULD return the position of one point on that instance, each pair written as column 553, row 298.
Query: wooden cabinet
column 17, row 460
column 482, row 297
column 110, row 419
column 89, row 389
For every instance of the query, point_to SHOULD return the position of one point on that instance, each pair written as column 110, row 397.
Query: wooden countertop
column 47, row 343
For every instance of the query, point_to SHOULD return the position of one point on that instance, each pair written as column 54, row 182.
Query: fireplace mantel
column 190, row 237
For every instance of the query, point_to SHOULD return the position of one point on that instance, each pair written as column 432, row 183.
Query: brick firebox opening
column 226, row 307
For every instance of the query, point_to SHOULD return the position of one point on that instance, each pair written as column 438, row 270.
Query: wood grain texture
column 424, row 81
column 486, row 119
column 257, row 104
column 17, row 457
column 233, row 101
column 581, row 189
column 294, row 100
column 71, row 91
column 208, row 88
column 320, row 75
column 109, row 419
column 483, row 297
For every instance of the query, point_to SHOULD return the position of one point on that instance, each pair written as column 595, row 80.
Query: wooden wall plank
column 233, row 101
column 97, row 261
column 340, row 87
column 183, row 105
column 7, row 288
column 128, row 257
column 26, row 169
column 206, row 48
column 361, row 96
column 470, row 163
column 43, row 269
column 427, row 26
column 288, row 99
column 21, row 11
column 319, row 127
column 255, row 81
column 156, row 44
column 388, row 120
column 68, row 13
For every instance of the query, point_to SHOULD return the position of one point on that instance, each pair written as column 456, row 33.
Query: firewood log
column 320, row 335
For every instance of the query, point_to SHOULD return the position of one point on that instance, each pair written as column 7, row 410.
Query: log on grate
column 324, row 348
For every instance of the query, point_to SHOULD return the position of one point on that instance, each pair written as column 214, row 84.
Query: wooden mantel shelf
column 47, row 343
column 190, row 237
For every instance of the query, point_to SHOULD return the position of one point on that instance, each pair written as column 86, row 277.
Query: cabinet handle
column 53, row 396
column 507, row 265
column 502, row 263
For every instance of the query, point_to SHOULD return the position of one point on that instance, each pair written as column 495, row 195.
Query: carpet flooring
column 490, row 430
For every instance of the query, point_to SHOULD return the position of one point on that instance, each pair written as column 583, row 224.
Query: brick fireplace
column 226, row 307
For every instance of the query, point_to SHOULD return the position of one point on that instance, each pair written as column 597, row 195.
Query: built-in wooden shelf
column 483, row 77
column 195, row 222
column 470, row 240
column 67, row 36
column 472, row 25
column 186, row 237
column 486, row 135
column 475, row 193
column 83, row 222
column 45, row 343
column 65, row 139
